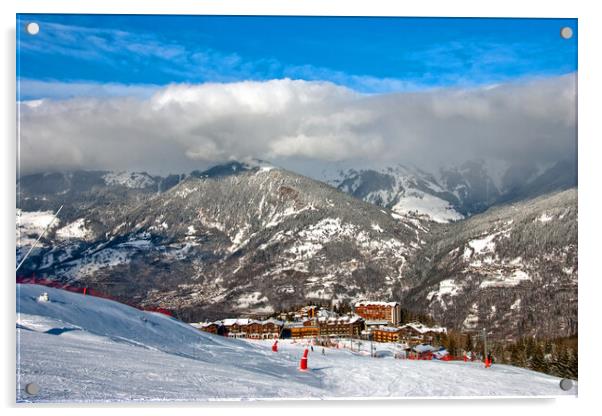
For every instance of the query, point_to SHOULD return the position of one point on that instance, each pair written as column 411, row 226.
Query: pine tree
column 452, row 345
column 562, row 363
column 518, row 357
column 538, row 361
column 573, row 367
column 468, row 346
column 499, row 353
column 529, row 347
column 548, row 348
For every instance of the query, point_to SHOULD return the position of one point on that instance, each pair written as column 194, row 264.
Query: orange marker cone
column 303, row 363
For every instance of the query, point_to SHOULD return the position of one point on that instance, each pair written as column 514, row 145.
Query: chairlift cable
column 38, row 240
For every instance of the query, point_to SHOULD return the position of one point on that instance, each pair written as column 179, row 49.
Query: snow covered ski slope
column 80, row 348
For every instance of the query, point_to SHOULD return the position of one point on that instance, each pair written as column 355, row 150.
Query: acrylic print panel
column 218, row 207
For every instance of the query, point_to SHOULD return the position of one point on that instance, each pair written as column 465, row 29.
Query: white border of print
column 590, row 29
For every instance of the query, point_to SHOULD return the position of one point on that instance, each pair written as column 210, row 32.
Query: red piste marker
column 303, row 363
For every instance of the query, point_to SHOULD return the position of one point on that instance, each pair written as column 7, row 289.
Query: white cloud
column 183, row 126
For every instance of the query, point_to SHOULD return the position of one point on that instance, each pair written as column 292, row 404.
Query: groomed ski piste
column 79, row 348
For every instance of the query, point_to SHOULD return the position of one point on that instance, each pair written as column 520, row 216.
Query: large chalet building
column 379, row 311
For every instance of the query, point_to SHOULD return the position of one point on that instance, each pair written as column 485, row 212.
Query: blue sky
column 95, row 55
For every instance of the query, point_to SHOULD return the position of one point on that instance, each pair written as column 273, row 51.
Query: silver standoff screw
column 32, row 389
column 566, row 384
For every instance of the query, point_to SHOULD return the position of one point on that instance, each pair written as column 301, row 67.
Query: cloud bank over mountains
column 186, row 126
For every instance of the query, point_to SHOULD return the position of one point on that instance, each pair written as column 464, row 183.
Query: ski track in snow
column 102, row 351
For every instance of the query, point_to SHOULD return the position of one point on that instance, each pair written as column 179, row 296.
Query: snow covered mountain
column 252, row 239
column 402, row 190
column 97, row 195
column 85, row 349
column 452, row 193
column 512, row 269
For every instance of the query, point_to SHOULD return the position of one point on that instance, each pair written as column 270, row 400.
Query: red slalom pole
column 303, row 363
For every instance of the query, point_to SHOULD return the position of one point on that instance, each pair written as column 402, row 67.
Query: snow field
column 84, row 349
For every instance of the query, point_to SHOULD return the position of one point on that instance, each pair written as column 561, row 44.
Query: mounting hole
column 566, row 384
column 566, row 32
column 32, row 389
column 32, row 28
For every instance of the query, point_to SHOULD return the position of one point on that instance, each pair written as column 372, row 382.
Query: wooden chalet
column 305, row 329
column 378, row 311
column 386, row 334
column 417, row 333
column 341, row 327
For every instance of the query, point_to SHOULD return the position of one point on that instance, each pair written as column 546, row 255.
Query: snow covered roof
column 387, row 329
column 441, row 353
column 237, row 321
column 341, row 319
column 293, row 324
column 423, row 329
column 375, row 303
column 423, row 348
column 376, row 323
column 246, row 321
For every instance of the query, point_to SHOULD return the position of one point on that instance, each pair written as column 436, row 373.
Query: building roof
column 376, row 323
column 375, row 303
column 387, row 329
column 246, row 321
column 441, row 353
column 200, row 325
column 297, row 325
column 422, row 348
column 237, row 321
column 423, row 329
column 346, row 319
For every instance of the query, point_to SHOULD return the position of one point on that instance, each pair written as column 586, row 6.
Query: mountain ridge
column 245, row 238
